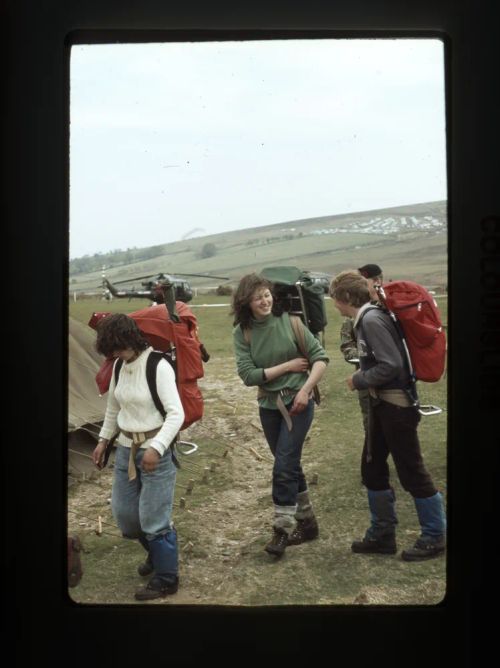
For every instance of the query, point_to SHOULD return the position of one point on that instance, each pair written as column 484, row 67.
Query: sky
column 173, row 141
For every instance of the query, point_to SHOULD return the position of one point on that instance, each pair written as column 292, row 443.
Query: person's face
column 261, row 303
column 343, row 308
column 372, row 282
column 126, row 355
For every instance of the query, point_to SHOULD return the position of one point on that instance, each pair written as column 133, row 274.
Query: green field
column 416, row 255
column 225, row 521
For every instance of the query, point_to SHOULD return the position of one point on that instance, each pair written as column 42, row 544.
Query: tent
column 86, row 407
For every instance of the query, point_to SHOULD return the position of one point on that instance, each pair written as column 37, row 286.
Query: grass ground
column 225, row 520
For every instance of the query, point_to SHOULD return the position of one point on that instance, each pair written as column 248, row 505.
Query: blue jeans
column 286, row 447
column 143, row 505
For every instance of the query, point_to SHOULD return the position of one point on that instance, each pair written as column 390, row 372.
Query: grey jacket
column 381, row 352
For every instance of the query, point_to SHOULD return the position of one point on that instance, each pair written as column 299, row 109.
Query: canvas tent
column 85, row 407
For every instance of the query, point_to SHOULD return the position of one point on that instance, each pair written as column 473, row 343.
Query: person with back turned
column 393, row 422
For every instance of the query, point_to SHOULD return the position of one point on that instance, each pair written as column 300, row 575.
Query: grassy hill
column 406, row 241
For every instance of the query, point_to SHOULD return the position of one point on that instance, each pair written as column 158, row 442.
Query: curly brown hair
column 351, row 288
column 240, row 307
column 119, row 332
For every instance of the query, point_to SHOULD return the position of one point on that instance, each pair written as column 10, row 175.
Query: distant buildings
column 388, row 225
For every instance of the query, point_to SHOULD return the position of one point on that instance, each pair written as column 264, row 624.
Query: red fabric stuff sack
column 166, row 335
column 418, row 316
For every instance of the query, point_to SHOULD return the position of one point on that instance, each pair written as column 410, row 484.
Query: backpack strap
column 370, row 308
column 151, row 365
column 298, row 330
column 411, row 390
column 118, row 366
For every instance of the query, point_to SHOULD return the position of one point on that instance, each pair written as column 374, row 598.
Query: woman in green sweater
column 267, row 356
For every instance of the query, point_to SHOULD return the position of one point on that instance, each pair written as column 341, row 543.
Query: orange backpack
column 417, row 319
column 176, row 335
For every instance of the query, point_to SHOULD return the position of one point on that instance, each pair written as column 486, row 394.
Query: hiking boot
column 278, row 542
column 306, row 529
column 381, row 545
column 156, row 588
column 425, row 548
column 146, row 568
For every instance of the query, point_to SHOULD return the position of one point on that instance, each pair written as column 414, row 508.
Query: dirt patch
column 224, row 521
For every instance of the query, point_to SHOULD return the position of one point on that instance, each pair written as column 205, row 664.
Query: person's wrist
column 155, row 447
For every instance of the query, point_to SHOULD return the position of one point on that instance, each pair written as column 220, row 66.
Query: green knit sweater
column 273, row 342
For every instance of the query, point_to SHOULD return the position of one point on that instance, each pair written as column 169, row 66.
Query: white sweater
column 130, row 405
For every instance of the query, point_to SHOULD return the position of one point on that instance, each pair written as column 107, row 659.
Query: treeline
column 115, row 258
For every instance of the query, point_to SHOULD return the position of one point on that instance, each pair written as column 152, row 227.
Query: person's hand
column 298, row 365
column 98, row 454
column 150, row 460
column 300, row 402
column 350, row 383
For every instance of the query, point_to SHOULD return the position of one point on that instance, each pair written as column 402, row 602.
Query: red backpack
column 415, row 311
column 177, row 336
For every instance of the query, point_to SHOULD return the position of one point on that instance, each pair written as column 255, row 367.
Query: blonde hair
column 351, row 288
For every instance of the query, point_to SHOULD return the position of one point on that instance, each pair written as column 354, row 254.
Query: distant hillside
column 406, row 241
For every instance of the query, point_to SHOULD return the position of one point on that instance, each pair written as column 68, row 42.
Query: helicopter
column 154, row 287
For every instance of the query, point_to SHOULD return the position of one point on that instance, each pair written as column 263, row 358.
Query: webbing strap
column 279, row 404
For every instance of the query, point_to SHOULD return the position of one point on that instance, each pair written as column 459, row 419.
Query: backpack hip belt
column 280, row 405
column 396, row 397
column 139, row 437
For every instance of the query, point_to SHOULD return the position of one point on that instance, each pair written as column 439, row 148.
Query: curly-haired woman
column 144, row 473
column 267, row 356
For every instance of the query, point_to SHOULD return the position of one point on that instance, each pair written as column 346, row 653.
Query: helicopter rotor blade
column 224, row 278
column 134, row 278
column 173, row 274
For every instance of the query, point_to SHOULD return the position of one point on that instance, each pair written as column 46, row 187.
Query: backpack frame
column 299, row 295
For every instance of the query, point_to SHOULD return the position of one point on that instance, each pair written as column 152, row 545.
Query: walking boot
column 157, row 588
column 283, row 525
column 146, row 568
column 307, row 525
column 164, row 559
column 306, row 529
column 380, row 545
column 380, row 537
column 432, row 541
column 278, row 542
